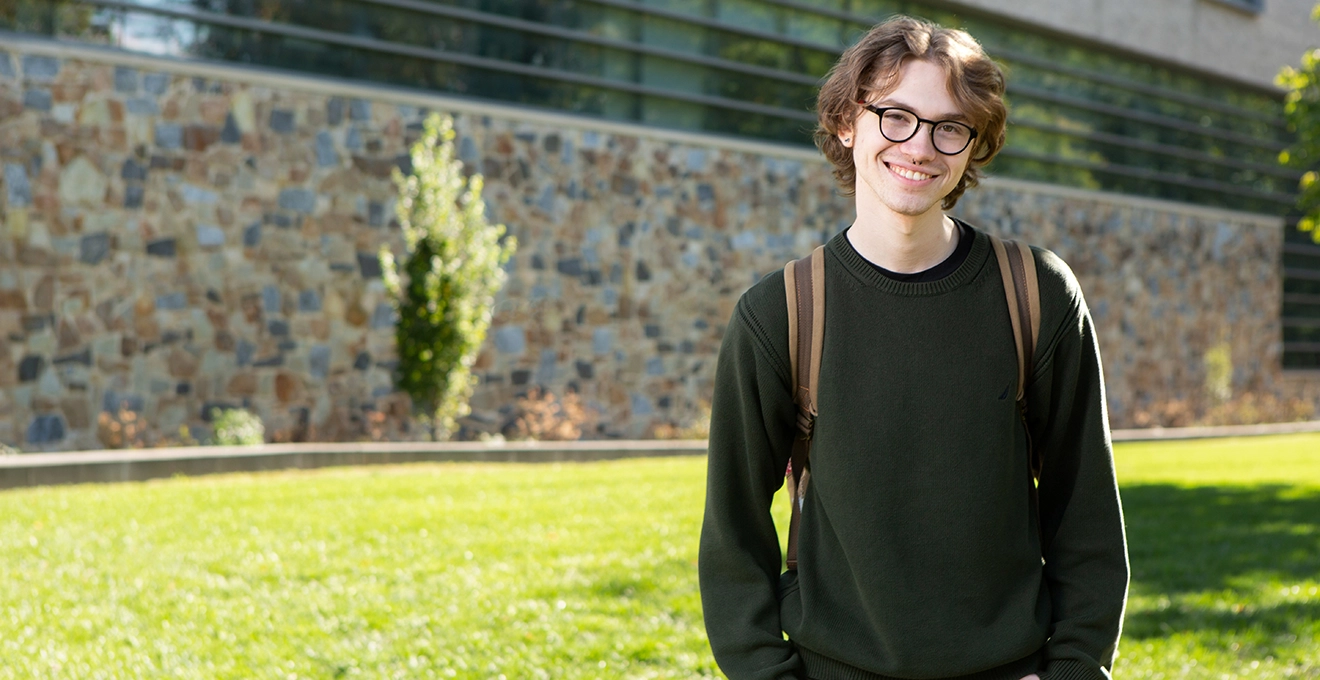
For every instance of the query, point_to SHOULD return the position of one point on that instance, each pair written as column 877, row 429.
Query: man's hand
column 1033, row 676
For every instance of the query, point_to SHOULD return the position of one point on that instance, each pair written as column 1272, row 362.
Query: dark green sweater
column 919, row 554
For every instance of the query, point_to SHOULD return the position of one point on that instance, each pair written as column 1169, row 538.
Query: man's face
column 907, row 178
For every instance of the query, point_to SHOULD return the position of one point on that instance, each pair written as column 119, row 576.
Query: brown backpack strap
column 804, row 288
column 1017, row 266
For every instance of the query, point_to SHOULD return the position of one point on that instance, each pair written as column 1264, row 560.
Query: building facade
column 195, row 192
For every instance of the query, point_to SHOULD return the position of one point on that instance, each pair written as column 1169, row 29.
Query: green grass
column 569, row 571
column 561, row 571
column 1224, row 541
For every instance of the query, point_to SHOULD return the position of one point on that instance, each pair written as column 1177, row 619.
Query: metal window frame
column 1142, row 88
column 715, row 62
column 1081, row 41
column 1253, row 7
column 749, row 69
column 1145, row 117
column 584, row 37
column 1161, row 149
column 389, row 47
column 333, row 38
column 1298, row 349
column 1301, row 274
column 1154, row 176
column 790, row 76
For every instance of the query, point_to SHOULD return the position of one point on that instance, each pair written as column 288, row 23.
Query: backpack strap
column 804, row 288
column 1017, row 266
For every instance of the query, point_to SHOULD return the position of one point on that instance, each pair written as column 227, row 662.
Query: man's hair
column 872, row 66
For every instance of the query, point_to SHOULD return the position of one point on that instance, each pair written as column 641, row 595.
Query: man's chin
column 914, row 209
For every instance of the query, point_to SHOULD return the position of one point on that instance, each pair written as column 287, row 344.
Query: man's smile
column 908, row 174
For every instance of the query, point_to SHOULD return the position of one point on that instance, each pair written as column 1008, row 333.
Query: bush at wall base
column 238, row 427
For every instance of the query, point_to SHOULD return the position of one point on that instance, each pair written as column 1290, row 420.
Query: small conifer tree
column 1302, row 111
column 445, row 286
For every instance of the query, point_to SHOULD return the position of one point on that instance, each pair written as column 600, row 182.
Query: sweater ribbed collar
column 860, row 269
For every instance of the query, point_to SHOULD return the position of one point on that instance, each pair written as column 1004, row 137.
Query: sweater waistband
column 820, row 667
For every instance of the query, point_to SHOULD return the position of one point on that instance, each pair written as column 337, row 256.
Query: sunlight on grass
column 1224, row 541
column 1284, row 459
column 565, row 571
column 570, row 571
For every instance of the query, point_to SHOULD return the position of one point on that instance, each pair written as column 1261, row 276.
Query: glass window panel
column 812, row 62
column 28, row 16
column 999, row 37
column 156, row 34
column 673, row 35
column 620, row 105
column 672, row 114
column 82, row 22
column 1302, row 260
column 877, row 9
column 1072, row 85
column 750, row 50
column 617, row 64
column 813, row 27
column 1025, row 107
column 749, row 14
column 1074, row 148
column 1296, row 310
column 1301, row 286
column 609, row 22
column 1050, row 141
column 697, row 8
column 668, row 74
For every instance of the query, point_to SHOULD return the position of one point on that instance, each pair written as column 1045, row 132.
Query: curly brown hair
column 871, row 67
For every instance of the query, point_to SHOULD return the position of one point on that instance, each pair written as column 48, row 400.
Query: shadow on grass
column 1188, row 540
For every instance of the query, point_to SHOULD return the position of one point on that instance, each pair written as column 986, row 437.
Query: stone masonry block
column 282, row 121
column 17, row 188
column 40, row 69
column 46, row 429
column 299, row 200
column 126, row 80
column 38, row 100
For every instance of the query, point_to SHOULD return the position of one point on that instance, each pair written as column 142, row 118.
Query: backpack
column 804, row 286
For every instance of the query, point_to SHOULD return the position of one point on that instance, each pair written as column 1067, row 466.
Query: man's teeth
column 909, row 174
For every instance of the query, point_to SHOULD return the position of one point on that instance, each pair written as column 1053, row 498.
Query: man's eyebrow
column 956, row 115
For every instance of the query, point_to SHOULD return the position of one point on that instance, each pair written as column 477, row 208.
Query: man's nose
column 920, row 146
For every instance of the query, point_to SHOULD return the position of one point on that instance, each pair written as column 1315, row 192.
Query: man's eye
column 950, row 129
column 896, row 117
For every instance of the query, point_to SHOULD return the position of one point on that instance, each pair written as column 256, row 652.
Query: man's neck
column 901, row 243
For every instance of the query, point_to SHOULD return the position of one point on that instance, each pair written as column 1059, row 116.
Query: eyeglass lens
column 949, row 137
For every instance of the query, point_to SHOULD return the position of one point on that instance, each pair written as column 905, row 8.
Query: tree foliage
column 445, row 286
column 1302, row 110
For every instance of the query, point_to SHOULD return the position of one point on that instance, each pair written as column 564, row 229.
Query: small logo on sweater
column 1005, row 393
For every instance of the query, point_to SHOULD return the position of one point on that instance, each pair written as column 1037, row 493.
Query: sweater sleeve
column 739, row 559
column 1081, row 520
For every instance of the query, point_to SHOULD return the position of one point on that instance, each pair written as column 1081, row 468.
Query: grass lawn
column 1224, row 541
column 569, row 571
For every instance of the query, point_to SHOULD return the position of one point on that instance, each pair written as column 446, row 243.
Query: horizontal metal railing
column 732, row 69
column 374, row 44
column 1300, row 315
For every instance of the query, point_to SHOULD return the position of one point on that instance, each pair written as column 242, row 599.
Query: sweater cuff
column 1068, row 669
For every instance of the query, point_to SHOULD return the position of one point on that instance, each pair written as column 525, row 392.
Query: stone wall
column 174, row 244
column 1166, row 285
column 178, row 237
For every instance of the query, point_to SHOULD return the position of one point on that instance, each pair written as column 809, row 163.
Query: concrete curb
column 1167, row 433
column 84, row 467
column 88, row 467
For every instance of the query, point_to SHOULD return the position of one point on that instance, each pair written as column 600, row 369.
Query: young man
column 923, row 552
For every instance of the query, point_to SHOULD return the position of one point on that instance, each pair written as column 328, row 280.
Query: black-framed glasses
column 898, row 125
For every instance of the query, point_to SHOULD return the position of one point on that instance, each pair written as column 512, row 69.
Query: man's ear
column 845, row 135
